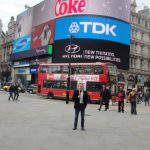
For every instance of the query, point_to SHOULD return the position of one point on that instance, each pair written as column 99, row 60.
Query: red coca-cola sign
column 68, row 7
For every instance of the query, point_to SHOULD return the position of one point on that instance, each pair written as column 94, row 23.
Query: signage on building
column 90, row 27
column 89, row 50
column 131, row 79
column 33, row 70
column 22, row 44
column 24, row 23
column 121, row 77
column 22, row 71
column 43, row 34
column 21, row 63
column 30, row 53
column 51, row 9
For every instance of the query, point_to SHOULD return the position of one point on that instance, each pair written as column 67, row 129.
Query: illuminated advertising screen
column 24, row 23
column 119, row 9
column 22, row 44
column 91, row 50
column 42, row 35
column 91, row 27
column 52, row 9
column 30, row 53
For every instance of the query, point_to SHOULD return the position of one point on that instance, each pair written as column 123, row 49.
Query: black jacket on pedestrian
column 11, row 89
column 76, row 99
column 106, row 95
column 16, row 89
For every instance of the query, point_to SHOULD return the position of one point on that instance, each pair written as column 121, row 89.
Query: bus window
column 77, row 70
column 73, row 85
column 65, row 69
column 112, row 69
column 93, row 86
column 88, row 70
column 52, row 69
column 45, row 83
column 59, row 69
column 49, row 84
column 63, row 84
column 44, row 69
column 98, row 70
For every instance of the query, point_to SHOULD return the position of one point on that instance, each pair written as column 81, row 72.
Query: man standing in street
column 80, row 99
column 101, row 96
column 121, row 97
column 106, row 96
column 146, row 97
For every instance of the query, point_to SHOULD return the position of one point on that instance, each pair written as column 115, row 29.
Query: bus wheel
column 50, row 96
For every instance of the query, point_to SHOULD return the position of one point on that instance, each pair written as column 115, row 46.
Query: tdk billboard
column 99, row 27
column 91, row 27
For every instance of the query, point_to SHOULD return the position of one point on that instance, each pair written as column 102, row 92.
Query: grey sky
column 10, row 8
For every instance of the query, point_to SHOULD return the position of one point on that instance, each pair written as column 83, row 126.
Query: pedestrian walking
column 132, row 99
column 121, row 97
column 147, row 97
column 80, row 99
column 11, row 91
column 106, row 97
column 16, row 91
column 101, row 98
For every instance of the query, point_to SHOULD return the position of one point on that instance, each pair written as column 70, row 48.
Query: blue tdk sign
column 89, row 27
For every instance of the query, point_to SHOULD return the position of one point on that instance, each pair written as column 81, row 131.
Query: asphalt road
column 35, row 123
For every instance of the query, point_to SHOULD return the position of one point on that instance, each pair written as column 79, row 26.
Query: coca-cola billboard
column 51, row 9
column 69, row 7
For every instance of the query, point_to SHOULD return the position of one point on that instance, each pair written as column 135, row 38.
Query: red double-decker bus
column 52, row 79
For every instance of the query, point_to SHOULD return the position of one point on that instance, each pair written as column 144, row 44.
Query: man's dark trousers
column 82, row 109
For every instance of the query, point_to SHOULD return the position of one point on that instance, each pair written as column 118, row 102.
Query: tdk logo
column 74, row 27
column 94, row 27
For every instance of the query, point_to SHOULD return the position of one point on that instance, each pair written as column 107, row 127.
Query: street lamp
column 36, row 65
column 69, row 71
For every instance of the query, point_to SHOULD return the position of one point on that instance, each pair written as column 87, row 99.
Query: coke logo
column 66, row 7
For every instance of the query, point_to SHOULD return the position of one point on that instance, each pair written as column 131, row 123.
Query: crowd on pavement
column 80, row 99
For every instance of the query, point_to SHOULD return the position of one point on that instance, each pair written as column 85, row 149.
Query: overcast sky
column 10, row 8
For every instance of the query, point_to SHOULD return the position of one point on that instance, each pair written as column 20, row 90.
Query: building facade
column 137, row 76
column 139, row 73
column 5, row 52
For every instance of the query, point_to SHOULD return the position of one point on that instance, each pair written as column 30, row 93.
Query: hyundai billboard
column 91, row 50
column 43, row 34
column 22, row 44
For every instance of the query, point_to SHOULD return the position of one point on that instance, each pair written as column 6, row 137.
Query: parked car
column 21, row 89
column 7, row 86
column 32, row 88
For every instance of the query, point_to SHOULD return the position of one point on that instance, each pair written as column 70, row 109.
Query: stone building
column 6, row 47
column 139, row 73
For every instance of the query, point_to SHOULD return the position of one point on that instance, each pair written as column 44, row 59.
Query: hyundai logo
column 72, row 49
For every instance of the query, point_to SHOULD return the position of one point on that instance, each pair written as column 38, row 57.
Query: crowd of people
column 80, row 99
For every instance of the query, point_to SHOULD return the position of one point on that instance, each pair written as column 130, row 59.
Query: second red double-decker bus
column 52, row 79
